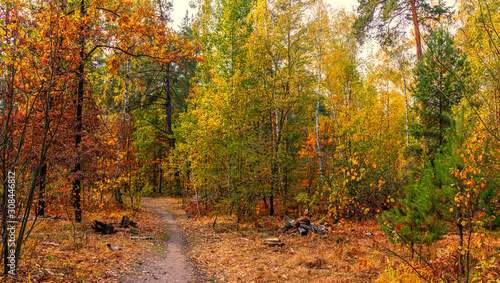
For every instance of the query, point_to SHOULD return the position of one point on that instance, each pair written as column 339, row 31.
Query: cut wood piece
column 113, row 248
column 273, row 242
column 142, row 238
column 303, row 232
column 288, row 226
column 305, row 226
column 319, row 229
column 303, row 219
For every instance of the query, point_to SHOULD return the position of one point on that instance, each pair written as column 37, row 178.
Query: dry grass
column 80, row 254
column 236, row 253
column 233, row 252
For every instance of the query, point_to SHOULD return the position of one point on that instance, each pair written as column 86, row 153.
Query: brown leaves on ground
column 236, row 253
column 57, row 251
column 62, row 251
column 351, row 252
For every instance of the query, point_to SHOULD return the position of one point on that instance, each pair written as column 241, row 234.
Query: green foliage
column 490, row 205
column 441, row 80
column 391, row 17
column 413, row 222
column 437, row 199
column 428, row 206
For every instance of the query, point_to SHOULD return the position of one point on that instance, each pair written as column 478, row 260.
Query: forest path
column 171, row 264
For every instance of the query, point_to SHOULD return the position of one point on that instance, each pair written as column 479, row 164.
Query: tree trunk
column 160, row 170
column 417, row 30
column 76, row 192
column 318, row 144
column 118, row 193
column 41, row 197
column 168, row 106
column 461, row 247
column 334, row 115
column 43, row 170
column 497, row 109
column 271, row 206
column 406, row 106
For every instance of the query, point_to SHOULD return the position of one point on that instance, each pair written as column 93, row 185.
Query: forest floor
column 352, row 252
column 232, row 252
column 216, row 248
column 59, row 250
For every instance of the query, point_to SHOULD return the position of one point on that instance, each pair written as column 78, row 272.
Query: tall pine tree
column 440, row 82
column 430, row 204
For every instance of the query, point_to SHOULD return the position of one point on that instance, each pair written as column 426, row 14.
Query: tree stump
column 127, row 222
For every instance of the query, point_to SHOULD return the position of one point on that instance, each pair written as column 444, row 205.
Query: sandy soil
column 172, row 264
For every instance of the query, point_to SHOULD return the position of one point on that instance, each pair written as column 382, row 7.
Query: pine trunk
column 417, row 30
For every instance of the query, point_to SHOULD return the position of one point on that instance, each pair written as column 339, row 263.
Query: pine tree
column 390, row 16
column 440, row 82
column 431, row 204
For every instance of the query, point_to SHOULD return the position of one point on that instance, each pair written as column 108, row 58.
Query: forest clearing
column 257, row 141
column 223, row 250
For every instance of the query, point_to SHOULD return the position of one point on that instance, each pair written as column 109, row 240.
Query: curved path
column 171, row 265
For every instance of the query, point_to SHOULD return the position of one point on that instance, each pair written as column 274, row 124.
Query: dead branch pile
column 106, row 228
column 102, row 227
column 303, row 225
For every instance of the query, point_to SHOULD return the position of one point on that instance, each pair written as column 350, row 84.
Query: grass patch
column 165, row 237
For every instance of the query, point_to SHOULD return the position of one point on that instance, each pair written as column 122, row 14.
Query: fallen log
column 302, row 231
column 302, row 220
column 319, row 229
column 142, row 238
column 303, row 227
column 289, row 225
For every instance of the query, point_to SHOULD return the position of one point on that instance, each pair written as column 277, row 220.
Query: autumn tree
column 46, row 50
column 478, row 35
column 36, row 99
column 222, row 125
column 120, row 28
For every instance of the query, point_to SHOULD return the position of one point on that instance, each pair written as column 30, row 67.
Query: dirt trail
column 172, row 264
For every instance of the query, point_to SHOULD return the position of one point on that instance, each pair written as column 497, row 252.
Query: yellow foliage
column 400, row 274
